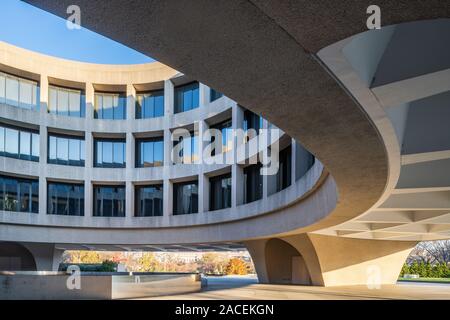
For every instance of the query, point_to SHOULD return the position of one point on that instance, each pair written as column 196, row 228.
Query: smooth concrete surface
column 327, row 260
column 103, row 286
column 247, row 288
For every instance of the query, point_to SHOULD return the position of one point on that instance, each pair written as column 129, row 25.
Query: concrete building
column 371, row 106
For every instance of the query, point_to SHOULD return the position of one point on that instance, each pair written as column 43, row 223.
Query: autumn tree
column 237, row 266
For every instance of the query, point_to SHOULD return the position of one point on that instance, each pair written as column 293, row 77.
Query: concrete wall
column 52, row 286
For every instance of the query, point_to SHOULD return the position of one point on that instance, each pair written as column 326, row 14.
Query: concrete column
column 203, row 182
column 42, row 170
column 43, row 94
column 237, row 173
column 46, row 256
column 204, row 94
column 89, row 152
column 167, row 198
column 129, row 199
column 130, row 167
column 131, row 102
column 257, row 249
column 168, row 97
column 88, row 198
column 90, row 101
column 237, row 185
column 168, row 145
column 43, row 105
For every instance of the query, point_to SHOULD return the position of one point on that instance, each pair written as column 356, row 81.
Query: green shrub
column 108, row 266
column 426, row 270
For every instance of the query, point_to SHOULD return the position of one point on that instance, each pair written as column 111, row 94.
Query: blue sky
column 31, row 28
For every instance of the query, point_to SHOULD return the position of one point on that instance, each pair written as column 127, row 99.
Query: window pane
column 63, row 103
column 119, row 153
column 11, row 141
column 158, row 153
column 195, row 97
column 62, row 149
column 148, row 154
column 2, row 88
column 159, row 105
column 26, row 94
column 35, row 146
column 98, row 109
column 107, row 153
column 25, row 144
column 74, row 104
column 82, row 147
column 187, row 100
column 74, row 150
column 52, row 100
column 149, row 106
column 52, row 148
column 12, row 91
column 2, row 140
column 108, row 107
column 139, row 106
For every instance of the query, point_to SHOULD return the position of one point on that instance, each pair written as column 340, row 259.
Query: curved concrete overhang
column 256, row 59
column 264, row 55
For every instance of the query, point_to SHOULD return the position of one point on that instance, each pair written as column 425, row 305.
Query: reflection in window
column 66, row 150
column 150, row 104
column 186, row 97
column 185, row 198
column 109, row 201
column 253, row 183
column 227, row 138
column 188, row 149
column 109, row 153
column 252, row 121
column 149, row 152
column 65, row 199
column 110, row 106
column 303, row 161
column 220, row 193
column 17, row 194
column 66, row 102
column 149, row 201
column 214, row 95
column 19, row 92
column 283, row 176
column 19, row 143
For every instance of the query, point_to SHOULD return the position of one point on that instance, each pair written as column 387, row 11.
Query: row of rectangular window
column 24, row 93
column 18, row 143
column 18, row 92
column 22, row 195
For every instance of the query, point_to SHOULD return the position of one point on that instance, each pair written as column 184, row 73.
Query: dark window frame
column 112, row 165
column 118, row 214
column 193, row 209
column 137, row 200
column 80, row 199
column 139, row 109
column 213, row 202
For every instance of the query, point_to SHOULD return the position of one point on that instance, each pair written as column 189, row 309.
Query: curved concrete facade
column 370, row 105
column 131, row 230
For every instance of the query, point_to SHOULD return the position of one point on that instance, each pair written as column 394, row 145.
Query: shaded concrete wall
column 14, row 256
